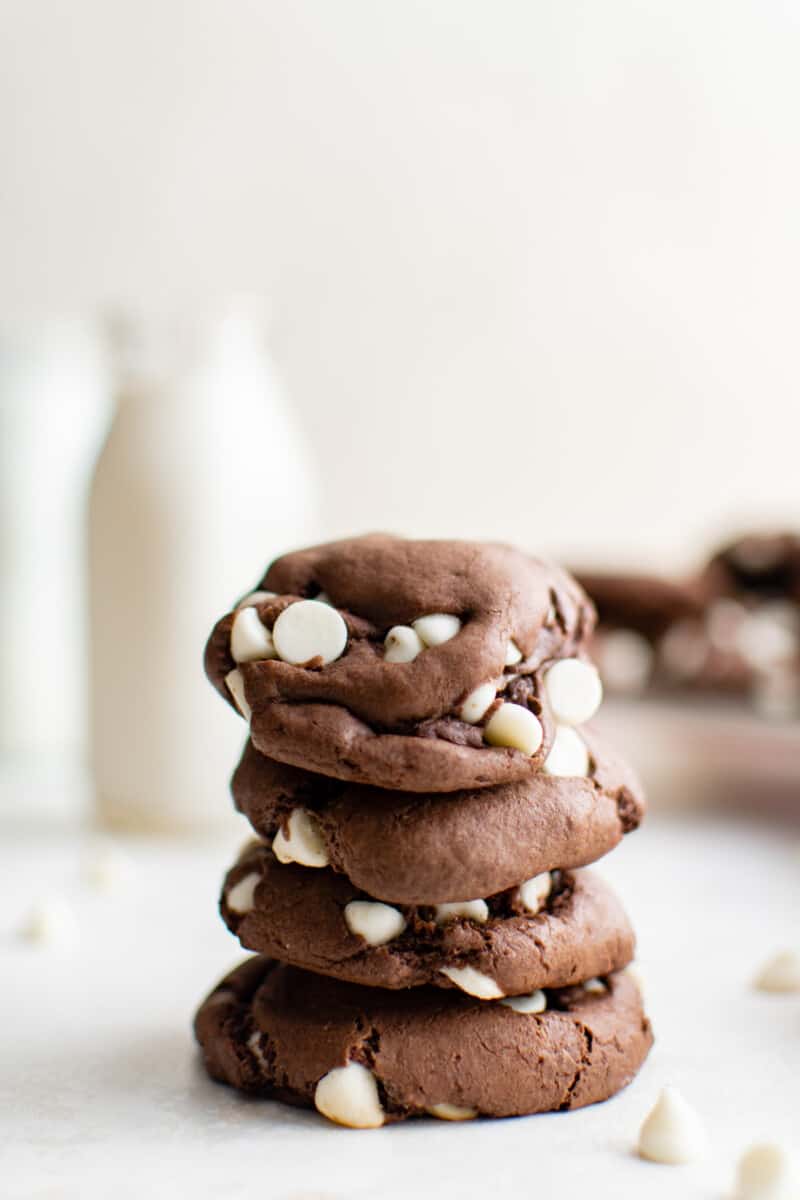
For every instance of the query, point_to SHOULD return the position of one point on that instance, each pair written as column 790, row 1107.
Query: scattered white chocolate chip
column 437, row 628
column 451, row 1112
column 250, row 640
column 307, row 630
column 234, row 682
column 472, row 910
column 672, row 1132
column 256, row 598
column 513, row 653
column 780, row 974
column 402, row 644
column 240, row 897
column 683, row 649
column 51, row 922
column 626, row 660
column 534, row 1003
column 514, row 726
column 477, row 703
column 533, row 892
column 595, row 987
column 376, row 923
column 349, row 1096
column 106, row 867
column 768, row 637
column 766, row 1173
column 475, row 983
column 303, row 843
column 574, row 690
column 568, row 754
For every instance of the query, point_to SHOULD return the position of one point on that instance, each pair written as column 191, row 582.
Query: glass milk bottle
column 204, row 478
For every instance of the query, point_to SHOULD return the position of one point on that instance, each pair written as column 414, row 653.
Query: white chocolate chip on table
column 780, row 974
column 478, row 703
column 672, row 1133
column 766, row 1172
column 530, row 1005
column 436, row 628
column 473, row 982
column 375, row 922
column 309, row 630
column 514, row 726
column 349, row 1096
column 451, row 1112
column 574, row 690
column 51, row 923
column 402, row 644
column 471, row 910
column 302, row 841
column 569, row 754
column 234, row 681
column 533, row 892
column 106, row 868
column 240, row 898
column 250, row 640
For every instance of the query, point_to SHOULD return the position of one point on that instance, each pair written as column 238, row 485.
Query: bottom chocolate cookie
column 365, row 1057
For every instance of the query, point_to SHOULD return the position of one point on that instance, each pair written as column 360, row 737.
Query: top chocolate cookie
column 422, row 665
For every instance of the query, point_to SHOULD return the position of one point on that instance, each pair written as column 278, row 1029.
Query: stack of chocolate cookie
column 425, row 796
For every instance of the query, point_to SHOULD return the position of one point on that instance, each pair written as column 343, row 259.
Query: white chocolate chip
column 768, row 638
column 723, row 624
column 568, row 753
column 303, row 843
column 349, row 1096
column 106, row 868
column 437, row 628
column 376, row 923
column 307, row 630
column 234, row 681
column 626, row 660
column 250, row 640
column 595, row 987
column 780, row 974
column 766, row 1173
column 472, row 910
column 256, row 598
column 514, row 726
column 402, row 644
column 240, row 898
column 683, row 649
column 513, row 653
column 473, row 982
column 776, row 695
column 451, row 1112
column 574, row 690
column 51, row 922
column 254, row 1045
column 533, row 892
column 477, row 703
column 534, row 1003
column 673, row 1132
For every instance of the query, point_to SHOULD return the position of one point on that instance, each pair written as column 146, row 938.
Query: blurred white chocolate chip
column 473, row 982
column 766, row 1172
column 568, row 754
column 683, row 649
column 723, row 624
column 402, row 644
column 514, row 726
column 303, row 843
column 776, row 694
column 250, row 640
column 240, row 898
column 574, row 690
column 376, row 923
column 437, row 628
column 780, row 974
column 769, row 637
column 106, row 868
column 51, row 922
column 451, row 1112
column 595, row 987
column 256, row 598
column 672, row 1132
column 472, row 910
column 626, row 660
column 533, row 892
column 234, row 681
column 513, row 653
column 477, row 703
column 535, row 1002
column 349, row 1096
column 308, row 629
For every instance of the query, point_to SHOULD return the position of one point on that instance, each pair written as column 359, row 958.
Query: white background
column 533, row 266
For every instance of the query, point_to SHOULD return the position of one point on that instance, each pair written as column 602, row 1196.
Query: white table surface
column 102, row 1093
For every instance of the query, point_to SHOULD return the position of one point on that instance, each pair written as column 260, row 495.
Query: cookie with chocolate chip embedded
column 555, row 930
column 365, row 1057
column 411, row 848
column 412, row 665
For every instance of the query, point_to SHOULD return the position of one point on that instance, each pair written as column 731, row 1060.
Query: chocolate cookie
column 365, row 1057
column 556, row 930
column 423, row 666
column 758, row 566
column 409, row 848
